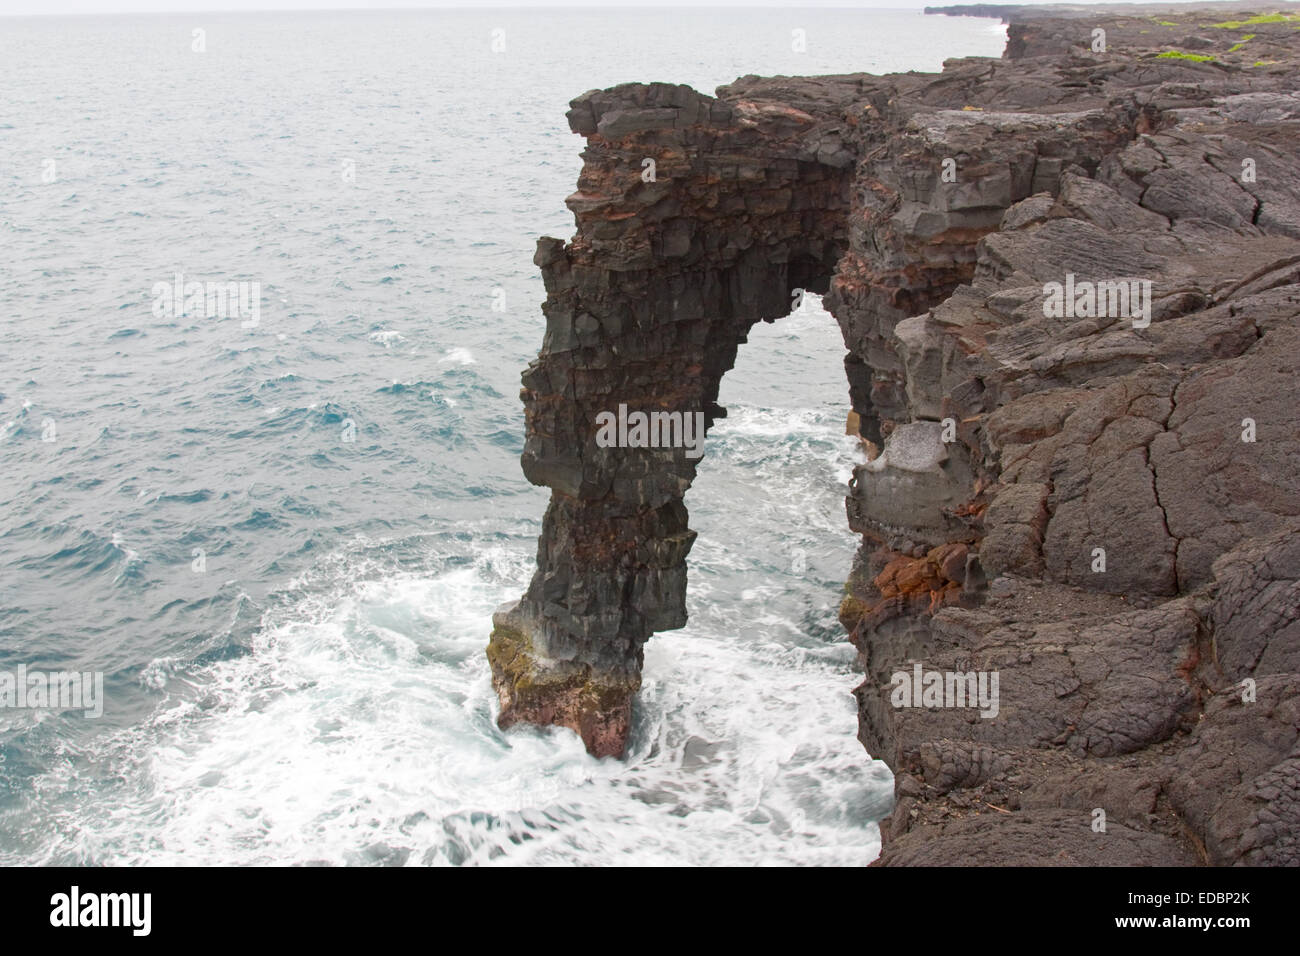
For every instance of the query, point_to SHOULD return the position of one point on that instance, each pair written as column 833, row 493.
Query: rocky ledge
column 1068, row 282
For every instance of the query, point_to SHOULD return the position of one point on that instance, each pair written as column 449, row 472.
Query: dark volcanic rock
column 696, row 219
column 1098, row 504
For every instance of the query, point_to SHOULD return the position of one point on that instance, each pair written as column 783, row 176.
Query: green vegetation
column 1262, row 18
column 1237, row 46
column 1179, row 55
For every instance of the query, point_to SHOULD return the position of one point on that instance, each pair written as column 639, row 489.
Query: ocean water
column 291, row 624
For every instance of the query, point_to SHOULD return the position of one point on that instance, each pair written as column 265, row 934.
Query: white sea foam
column 458, row 356
column 360, row 730
column 387, row 337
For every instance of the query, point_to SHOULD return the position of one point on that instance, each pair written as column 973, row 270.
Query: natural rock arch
column 646, row 308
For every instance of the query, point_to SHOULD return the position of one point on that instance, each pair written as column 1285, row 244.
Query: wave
column 360, row 675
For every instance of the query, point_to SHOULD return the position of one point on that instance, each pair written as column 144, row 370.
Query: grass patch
column 1244, row 40
column 1179, row 55
column 1261, row 18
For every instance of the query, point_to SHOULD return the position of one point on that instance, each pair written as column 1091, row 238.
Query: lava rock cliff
column 1099, row 507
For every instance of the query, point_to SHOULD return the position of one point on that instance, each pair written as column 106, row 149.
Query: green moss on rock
column 1179, row 55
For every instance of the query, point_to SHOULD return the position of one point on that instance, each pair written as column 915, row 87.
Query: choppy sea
column 281, row 544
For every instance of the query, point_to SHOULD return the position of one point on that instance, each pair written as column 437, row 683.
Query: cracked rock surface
column 1136, row 485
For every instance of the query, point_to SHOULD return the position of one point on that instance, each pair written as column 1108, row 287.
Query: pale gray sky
column 28, row 7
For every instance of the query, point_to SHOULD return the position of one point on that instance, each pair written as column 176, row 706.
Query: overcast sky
column 25, row 7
